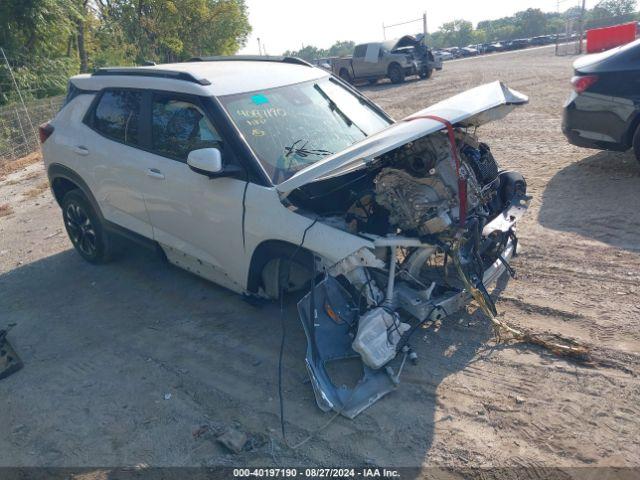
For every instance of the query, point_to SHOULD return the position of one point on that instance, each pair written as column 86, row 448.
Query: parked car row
column 499, row 46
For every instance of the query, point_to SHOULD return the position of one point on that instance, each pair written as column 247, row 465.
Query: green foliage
column 47, row 41
column 338, row 49
column 458, row 33
column 611, row 12
column 341, row 49
column 173, row 30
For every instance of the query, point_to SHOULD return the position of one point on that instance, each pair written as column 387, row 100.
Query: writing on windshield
column 292, row 127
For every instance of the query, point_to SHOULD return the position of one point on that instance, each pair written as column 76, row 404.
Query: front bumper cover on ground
column 327, row 326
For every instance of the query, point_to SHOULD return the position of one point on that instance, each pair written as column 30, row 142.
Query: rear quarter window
column 117, row 115
column 360, row 51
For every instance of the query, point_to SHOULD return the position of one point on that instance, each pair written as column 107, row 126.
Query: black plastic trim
column 149, row 72
column 252, row 58
column 141, row 240
column 57, row 170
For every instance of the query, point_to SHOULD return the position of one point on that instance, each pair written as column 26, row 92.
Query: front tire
column 85, row 230
column 636, row 143
column 396, row 74
column 426, row 73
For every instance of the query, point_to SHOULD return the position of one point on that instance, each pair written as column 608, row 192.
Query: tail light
column 45, row 130
column 583, row 82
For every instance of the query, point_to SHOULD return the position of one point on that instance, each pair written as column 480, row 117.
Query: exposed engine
column 418, row 186
column 422, row 195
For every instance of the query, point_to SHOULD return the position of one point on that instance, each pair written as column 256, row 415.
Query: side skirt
column 201, row 268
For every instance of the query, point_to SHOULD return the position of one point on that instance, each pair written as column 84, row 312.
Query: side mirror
column 206, row 161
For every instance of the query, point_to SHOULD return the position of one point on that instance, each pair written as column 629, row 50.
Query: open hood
column 473, row 107
column 406, row 41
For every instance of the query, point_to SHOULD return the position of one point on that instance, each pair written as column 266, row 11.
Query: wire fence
column 31, row 93
column 568, row 41
column 19, row 126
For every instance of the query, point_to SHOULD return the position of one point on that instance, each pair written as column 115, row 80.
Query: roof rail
column 252, row 58
column 151, row 72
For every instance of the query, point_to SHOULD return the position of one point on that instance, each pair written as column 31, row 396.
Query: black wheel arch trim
column 633, row 126
column 56, row 171
column 268, row 250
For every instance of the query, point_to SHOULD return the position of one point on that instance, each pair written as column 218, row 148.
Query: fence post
column 24, row 136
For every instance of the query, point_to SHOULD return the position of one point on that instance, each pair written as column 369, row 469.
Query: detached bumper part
column 329, row 339
column 9, row 360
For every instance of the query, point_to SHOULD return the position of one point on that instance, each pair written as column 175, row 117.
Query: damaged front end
column 440, row 217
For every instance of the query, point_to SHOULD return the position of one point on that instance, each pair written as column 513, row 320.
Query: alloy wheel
column 81, row 231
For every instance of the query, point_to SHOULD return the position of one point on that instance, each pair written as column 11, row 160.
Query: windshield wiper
column 334, row 107
column 303, row 151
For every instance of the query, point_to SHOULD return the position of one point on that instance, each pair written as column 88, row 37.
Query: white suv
column 267, row 174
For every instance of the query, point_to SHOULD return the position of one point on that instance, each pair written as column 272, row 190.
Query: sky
column 288, row 24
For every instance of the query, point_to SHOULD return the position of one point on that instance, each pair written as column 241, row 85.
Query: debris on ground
column 9, row 360
column 200, row 431
column 233, row 439
column 556, row 344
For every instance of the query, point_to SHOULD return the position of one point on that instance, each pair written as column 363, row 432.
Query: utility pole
column 259, row 47
column 424, row 26
column 582, row 12
column 384, row 31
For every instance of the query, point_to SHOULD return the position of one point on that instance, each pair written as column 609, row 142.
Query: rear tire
column 85, row 230
column 426, row 73
column 345, row 76
column 636, row 143
column 396, row 74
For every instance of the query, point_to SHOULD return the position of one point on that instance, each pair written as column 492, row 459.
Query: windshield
column 291, row 127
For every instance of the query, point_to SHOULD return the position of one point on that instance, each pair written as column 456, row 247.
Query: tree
column 611, row 12
column 30, row 34
column 341, row 49
column 308, row 52
column 530, row 23
column 47, row 41
column 615, row 8
column 458, row 33
column 171, row 30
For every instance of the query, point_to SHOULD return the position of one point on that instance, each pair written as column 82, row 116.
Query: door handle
column 155, row 173
column 81, row 150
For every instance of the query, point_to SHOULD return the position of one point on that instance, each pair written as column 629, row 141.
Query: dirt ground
column 124, row 362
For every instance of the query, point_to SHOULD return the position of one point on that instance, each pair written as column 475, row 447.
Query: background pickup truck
column 394, row 59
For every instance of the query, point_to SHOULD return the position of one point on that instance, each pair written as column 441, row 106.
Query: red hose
column 462, row 183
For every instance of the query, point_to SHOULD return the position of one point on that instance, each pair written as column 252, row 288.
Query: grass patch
column 8, row 167
column 36, row 191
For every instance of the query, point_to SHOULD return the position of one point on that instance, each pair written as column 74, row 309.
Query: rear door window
column 117, row 115
column 360, row 51
column 180, row 126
